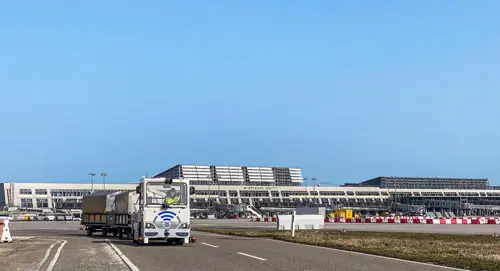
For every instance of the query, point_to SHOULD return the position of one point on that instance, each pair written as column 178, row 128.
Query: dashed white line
column 210, row 245
column 129, row 263
column 368, row 255
column 46, row 256
column 56, row 256
column 251, row 256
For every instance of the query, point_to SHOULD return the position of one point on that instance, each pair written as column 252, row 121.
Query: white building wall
column 16, row 193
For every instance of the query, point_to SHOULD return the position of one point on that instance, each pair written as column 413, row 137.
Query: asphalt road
column 424, row 228
column 218, row 252
column 211, row 252
column 58, row 252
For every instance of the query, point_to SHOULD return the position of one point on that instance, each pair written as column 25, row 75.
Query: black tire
column 89, row 231
column 115, row 233
column 140, row 243
column 120, row 234
column 179, row 241
column 104, row 232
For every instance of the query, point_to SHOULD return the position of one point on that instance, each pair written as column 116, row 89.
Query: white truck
column 163, row 211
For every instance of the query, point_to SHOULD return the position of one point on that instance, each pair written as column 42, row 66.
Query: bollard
column 293, row 223
column 4, row 231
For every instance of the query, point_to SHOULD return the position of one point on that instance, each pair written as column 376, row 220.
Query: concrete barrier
column 302, row 222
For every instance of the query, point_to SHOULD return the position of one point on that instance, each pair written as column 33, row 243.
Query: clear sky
column 347, row 92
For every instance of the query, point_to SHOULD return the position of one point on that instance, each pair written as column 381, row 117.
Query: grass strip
column 472, row 252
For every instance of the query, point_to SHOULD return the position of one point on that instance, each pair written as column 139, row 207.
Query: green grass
column 474, row 252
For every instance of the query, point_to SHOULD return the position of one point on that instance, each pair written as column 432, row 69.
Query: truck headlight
column 184, row 226
column 150, row 226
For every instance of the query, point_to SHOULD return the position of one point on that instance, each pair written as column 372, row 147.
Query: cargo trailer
column 126, row 203
column 98, row 214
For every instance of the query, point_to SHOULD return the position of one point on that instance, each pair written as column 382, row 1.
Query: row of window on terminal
column 60, row 192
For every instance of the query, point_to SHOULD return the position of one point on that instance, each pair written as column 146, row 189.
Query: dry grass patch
column 475, row 252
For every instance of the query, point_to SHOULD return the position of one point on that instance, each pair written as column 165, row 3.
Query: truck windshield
column 172, row 194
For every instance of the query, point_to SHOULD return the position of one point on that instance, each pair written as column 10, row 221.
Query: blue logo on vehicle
column 167, row 216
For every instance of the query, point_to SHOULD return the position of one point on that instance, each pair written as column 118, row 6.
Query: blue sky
column 345, row 91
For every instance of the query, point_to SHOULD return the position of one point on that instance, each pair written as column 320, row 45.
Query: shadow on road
column 154, row 243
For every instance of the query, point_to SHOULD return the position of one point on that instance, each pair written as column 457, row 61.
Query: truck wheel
column 140, row 243
column 104, row 232
column 115, row 233
column 120, row 234
column 89, row 231
column 179, row 241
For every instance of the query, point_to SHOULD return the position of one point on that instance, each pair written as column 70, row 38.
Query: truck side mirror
column 192, row 190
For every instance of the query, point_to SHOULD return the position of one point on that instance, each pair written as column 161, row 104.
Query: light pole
column 104, row 174
column 91, row 174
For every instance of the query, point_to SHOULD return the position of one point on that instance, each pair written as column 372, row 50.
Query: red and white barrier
column 419, row 220
column 266, row 219
column 404, row 220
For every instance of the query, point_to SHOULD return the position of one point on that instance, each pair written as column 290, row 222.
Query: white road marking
column 209, row 245
column 369, row 255
column 344, row 251
column 129, row 263
column 56, row 256
column 46, row 256
column 251, row 256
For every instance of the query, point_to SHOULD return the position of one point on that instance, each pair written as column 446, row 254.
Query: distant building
column 275, row 188
column 51, row 195
column 236, row 175
column 426, row 183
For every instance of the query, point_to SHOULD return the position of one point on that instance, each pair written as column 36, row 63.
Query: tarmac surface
column 424, row 228
column 54, row 252
column 63, row 246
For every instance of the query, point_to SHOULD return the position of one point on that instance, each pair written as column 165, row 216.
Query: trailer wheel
column 115, row 233
column 179, row 241
column 120, row 234
column 89, row 231
column 104, row 232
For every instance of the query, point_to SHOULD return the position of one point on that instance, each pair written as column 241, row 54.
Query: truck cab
column 163, row 212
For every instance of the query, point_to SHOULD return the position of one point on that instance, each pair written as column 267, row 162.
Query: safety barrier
column 266, row 219
column 404, row 220
column 5, row 231
column 418, row 220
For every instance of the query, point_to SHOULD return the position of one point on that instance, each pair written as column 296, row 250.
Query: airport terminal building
column 276, row 188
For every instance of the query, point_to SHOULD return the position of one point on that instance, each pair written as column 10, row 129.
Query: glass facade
column 236, row 175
